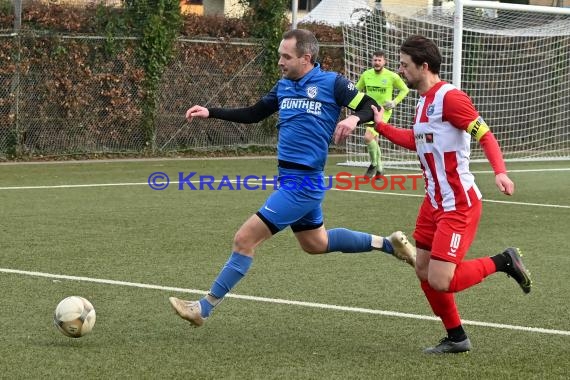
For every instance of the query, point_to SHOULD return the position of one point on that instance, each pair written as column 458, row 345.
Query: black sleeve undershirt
column 247, row 115
column 260, row 111
column 364, row 109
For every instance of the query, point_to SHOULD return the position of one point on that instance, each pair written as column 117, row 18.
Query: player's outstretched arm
column 253, row 114
column 363, row 113
column 399, row 136
column 344, row 128
column 492, row 151
column 378, row 114
column 403, row 90
column 197, row 111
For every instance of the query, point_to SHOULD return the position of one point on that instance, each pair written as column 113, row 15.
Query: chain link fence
column 202, row 74
column 69, row 94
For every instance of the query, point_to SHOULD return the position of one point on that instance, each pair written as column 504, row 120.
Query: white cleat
column 403, row 249
column 188, row 310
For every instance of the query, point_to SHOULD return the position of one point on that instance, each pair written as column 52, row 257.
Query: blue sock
column 205, row 308
column 348, row 241
column 233, row 271
column 387, row 246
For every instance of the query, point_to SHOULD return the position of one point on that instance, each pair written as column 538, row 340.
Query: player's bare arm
column 362, row 114
column 345, row 127
column 378, row 114
column 197, row 111
column 504, row 183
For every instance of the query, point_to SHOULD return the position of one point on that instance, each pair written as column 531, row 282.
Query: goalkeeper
column 379, row 83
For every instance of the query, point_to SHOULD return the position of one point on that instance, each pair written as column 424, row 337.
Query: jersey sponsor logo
column 312, row 91
column 310, row 106
column 454, row 244
column 423, row 138
column 430, row 110
column 351, row 86
column 375, row 89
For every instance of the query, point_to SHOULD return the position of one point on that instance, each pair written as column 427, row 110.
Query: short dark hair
column 306, row 42
column 421, row 49
column 379, row 53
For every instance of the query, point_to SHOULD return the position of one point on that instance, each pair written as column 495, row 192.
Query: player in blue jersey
column 309, row 101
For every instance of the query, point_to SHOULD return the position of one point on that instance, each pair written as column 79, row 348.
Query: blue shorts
column 297, row 201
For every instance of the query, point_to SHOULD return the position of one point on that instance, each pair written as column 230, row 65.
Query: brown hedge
column 64, row 83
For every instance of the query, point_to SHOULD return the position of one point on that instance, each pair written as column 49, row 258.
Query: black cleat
column 371, row 171
column 447, row 346
column 516, row 269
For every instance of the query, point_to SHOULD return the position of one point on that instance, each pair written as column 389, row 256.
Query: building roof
column 337, row 12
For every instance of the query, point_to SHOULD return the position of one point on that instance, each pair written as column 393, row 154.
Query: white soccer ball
column 74, row 316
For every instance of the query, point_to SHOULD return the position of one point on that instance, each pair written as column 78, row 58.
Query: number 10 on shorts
column 454, row 244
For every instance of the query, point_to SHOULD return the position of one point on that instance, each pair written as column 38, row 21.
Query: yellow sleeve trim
column 355, row 101
column 477, row 128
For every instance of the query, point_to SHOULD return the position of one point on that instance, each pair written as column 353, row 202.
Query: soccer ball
column 74, row 316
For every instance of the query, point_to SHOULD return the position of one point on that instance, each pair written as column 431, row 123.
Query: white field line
column 523, row 170
column 141, row 159
column 174, row 159
column 283, row 301
column 484, row 199
column 41, row 187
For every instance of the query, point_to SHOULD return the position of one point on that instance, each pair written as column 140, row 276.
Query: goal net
column 513, row 63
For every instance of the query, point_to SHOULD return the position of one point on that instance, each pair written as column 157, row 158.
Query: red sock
column 443, row 305
column 469, row 273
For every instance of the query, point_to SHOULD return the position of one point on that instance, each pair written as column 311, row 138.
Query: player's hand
column 389, row 105
column 344, row 128
column 197, row 111
column 504, row 183
column 378, row 114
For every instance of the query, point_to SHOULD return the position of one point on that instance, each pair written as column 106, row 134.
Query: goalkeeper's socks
column 348, row 241
column 374, row 152
column 233, row 271
column 380, row 165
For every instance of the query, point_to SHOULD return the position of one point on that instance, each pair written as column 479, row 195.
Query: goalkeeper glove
column 389, row 105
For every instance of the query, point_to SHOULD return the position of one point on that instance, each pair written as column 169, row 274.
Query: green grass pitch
column 97, row 230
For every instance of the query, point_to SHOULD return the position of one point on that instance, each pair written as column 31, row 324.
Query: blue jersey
column 309, row 109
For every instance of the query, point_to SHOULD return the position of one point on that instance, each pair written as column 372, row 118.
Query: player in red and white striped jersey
column 444, row 124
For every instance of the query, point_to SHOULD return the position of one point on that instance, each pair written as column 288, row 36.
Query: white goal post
column 512, row 60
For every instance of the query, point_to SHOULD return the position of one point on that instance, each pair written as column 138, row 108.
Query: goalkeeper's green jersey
column 380, row 87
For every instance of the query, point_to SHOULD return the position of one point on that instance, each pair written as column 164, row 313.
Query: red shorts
column 447, row 234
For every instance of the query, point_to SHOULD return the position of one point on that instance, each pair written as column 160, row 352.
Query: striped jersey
column 442, row 116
